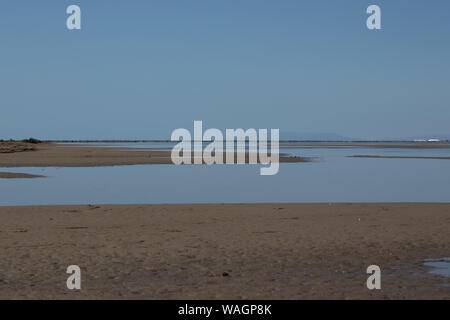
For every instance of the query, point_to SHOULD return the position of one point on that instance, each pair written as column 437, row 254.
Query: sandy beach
column 63, row 155
column 242, row 251
column 225, row 150
column 212, row 251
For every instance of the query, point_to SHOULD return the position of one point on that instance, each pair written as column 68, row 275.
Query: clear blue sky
column 139, row 69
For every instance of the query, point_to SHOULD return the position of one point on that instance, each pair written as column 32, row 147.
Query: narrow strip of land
column 397, row 157
column 60, row 155
column 18, row 175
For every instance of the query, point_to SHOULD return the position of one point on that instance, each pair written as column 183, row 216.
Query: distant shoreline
column 397, row 157
column 281, row 141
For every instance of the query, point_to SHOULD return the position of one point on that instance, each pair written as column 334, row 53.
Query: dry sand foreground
column 260, row 251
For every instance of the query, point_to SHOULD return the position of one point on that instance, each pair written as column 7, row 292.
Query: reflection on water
column 439, row 266
column 334, row 178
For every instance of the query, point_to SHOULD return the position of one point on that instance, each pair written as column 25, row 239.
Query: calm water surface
column 332, row 177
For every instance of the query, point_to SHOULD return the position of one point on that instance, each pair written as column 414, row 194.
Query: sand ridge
column 18, row 175
column 60, row 155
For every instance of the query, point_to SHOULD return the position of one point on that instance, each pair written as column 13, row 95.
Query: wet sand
column 242, row 251
column 14, row 175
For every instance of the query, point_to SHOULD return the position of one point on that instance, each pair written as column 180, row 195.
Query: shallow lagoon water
column 439, row 266
column 332, row 177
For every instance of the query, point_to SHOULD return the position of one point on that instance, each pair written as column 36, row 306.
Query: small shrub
column 32, row 140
